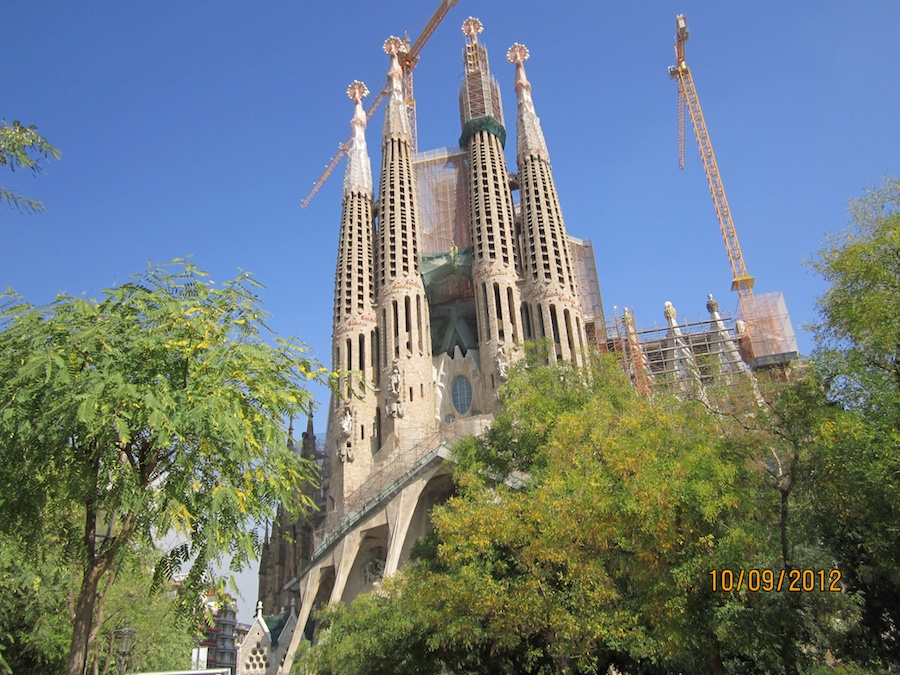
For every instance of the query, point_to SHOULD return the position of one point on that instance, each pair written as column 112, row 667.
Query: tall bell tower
column 550, row 305
column 406, row 396
column 352, row 420
column 491, row 210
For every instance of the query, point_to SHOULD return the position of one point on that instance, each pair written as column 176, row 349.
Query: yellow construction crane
column 741, row 282
column 408, row 60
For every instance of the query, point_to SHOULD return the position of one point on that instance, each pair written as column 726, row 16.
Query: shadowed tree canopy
column 158, row 411
column 854, row 436
column 587, row 522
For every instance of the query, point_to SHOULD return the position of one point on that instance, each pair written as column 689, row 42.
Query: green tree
column 599, row 554
column 38, row 586
column 35, row 585
column 164, row 636
column 158, row 410
column 858, row 339
column 23, row 148
column 39, row 581
column 853, row 475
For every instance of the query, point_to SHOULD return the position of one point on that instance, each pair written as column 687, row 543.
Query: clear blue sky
column 196, row 128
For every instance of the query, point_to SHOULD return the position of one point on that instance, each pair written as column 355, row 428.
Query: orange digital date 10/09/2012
column 794, row 581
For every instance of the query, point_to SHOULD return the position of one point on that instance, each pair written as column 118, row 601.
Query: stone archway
column 368, row 567
column 437, row 491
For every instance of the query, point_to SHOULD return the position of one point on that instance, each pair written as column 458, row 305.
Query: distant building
column 219, row 638
column 264, row 646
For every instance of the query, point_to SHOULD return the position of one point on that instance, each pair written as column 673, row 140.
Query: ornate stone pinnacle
column 393, row 46
column 358, row 174
column 357, row 91
column 669, row 311
column 517, row 53
column 471, row 28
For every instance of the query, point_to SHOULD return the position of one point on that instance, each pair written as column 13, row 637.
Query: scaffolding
column 689, row 353
column 446, row 241
column 480, row 106
column 772, row 341
column 441, row 175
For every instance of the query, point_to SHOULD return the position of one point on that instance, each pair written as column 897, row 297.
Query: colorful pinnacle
column 357, row 91
column 517, row 54
column 471, row 28
column 396, row 119
column 358, row 174
column 530, row 138
column 393, row 46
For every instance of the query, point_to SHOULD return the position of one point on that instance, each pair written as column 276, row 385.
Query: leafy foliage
column 22, row 147
column 38, row 583
column 853, row 427
column 858, row 339
column 589, row 519
column 35, row 583
column 158, row 410
column 598, row 555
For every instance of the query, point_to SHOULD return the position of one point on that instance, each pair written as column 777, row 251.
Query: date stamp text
column 767, row 581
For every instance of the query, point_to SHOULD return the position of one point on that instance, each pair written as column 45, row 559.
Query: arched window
column 461, row 393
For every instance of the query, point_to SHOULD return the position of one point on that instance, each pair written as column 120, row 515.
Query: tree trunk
column 788, row 652
column 97, row 566
column 783, row 526
column 98, row 619
column 84, row 614
column 715, row 658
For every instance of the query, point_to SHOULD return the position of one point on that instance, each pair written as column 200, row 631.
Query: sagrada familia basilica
column 441, row 278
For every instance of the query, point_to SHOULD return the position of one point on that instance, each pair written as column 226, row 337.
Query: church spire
column 351, row 419
column 403, row 316
column 358, row 175
column 530, row 138
column 479, row 98
column 396, row 120
column 494, row 276
column 550, row 294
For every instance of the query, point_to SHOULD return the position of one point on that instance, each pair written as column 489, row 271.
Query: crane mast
column 742, row 282
column 408, row 61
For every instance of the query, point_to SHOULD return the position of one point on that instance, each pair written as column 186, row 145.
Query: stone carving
column 347, row 422
column 395, row 379
column 373, row 570
column 395, row 409
column 669, row 312
column 712, row 305
column 502, row 364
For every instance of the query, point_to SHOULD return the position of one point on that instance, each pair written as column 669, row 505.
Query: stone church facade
column 439, row 282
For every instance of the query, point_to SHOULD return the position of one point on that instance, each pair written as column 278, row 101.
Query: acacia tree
column 23, row 147
column 600, row 557
column 854, row 473
column 158, row 410
column 858, row 339
column 39, row 580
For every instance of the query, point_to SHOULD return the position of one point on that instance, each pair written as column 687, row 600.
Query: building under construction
column 439, row 282
column 686, row 356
